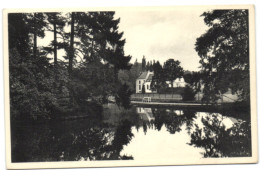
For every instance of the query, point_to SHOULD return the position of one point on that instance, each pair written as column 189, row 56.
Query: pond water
column 139, row 134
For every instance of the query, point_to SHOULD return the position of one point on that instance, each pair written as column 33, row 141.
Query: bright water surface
column 139, row 134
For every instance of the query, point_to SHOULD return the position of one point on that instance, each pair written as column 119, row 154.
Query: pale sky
column 158, row 34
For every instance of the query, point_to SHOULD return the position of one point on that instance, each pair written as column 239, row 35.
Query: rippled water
column 139, row 134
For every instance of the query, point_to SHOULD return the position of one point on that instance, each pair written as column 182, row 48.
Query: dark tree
column 224, row 53
column 18, row 34
column 151, row 65
column 123, row 96
column 58, row 22
column 30, row 77
column 93, row 37
column 148, row 66
column 159, row 79
column 188, row 94
column 143, row 63
column 135, row 62
column 129, row 76
column 172, row 70
column 194, row 80
column 101, row 40
column 71, row 47
column 37, row 25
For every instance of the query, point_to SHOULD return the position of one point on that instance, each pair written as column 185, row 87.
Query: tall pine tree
column 37, row 25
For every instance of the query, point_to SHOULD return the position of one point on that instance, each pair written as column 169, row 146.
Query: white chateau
column 146, row 78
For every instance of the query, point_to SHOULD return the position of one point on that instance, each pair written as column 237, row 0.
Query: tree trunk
column 55, row 45
column 55, row 54
column 71, row 50
column 71, row 56
column 34, row 37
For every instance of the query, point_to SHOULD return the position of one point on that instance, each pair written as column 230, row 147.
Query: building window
column 140, row 82
column 140, row 87
column 147, row 87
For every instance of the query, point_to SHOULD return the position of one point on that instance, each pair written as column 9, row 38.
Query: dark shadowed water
column 139, row 134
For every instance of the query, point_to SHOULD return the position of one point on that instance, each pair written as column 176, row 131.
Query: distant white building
column 145, row 79
column 179, row 82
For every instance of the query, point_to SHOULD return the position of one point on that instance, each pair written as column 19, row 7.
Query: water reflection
column 220, row 141
column 146, row 114
column 138, row 133
column 70, row 141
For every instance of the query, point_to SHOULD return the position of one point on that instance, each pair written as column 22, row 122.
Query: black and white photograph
column 130, row 86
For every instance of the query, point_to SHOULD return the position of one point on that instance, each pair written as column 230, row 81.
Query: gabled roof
column 150, row 77
column 147, row 75
column 143, row 75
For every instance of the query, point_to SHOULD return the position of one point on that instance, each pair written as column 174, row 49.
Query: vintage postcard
column 130, row 86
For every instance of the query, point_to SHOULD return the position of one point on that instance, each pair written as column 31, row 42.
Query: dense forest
column 78, row 68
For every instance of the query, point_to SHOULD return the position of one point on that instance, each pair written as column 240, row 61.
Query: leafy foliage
column 123, row 96
column 169, row 72
column 159, row 79
column 39, row 88
column 194, row 79
column 218, row 141
column 30, row 88
column 224, row 53
column 172, row 70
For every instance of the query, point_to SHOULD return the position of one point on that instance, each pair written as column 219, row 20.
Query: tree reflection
column 213, row 136
column 123, row 136
column 169, row 118
column 219, row 141
column 95, row 139
column 189, row 115
column 71, row 141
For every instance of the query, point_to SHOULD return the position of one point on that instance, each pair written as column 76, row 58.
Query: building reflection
column 145, row 114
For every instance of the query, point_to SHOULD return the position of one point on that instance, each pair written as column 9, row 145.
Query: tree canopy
column 37, row 90
column 224, row 53
column 172, row 70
